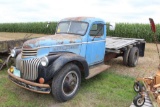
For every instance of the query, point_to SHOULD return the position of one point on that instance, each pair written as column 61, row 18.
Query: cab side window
column 97, row 30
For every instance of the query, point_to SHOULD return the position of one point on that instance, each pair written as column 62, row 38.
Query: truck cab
column 91, row 33
column 56, row 63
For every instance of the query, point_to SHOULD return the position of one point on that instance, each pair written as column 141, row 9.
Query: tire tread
column 56, row 92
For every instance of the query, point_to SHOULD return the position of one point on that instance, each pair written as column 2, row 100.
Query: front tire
column 66, row 83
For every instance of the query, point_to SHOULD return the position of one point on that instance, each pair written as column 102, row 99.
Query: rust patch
column 57, row 37
column 32, row 41
column 77, row 18
column 71, row 41
column 27, row 46
column 109, row 56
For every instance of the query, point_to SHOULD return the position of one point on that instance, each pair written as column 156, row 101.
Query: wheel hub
column 73, row 83
column 70, row 83
column 136, row 88
column 140, row 101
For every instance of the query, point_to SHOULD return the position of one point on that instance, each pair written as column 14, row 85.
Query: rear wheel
column 125, row 56
column 66, row 83
column 133, row 57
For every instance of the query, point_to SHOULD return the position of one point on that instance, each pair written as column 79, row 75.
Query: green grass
column 105, row 90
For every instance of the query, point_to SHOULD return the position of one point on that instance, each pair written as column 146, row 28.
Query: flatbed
column 118, row 46
column 113, row 44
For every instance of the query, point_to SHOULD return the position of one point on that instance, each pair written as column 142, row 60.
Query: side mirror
column 112, row 26
column 48, row 24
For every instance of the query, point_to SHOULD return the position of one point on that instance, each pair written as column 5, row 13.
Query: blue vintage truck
column 79, row 48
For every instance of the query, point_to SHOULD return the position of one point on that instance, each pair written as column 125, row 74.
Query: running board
column 96, row 70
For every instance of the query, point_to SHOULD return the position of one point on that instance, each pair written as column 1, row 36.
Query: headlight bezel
column 44, row 61
column 13, row 53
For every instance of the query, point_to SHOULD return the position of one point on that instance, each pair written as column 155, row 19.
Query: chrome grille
column 29, row 53
column 29, row 69
column 18, row 62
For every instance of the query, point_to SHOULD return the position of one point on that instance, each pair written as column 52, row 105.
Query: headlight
column 13, row 52
column 44, row 61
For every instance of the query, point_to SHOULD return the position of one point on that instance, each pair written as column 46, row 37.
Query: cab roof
column 84, row 19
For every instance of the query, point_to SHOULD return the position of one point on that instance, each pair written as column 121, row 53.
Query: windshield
column 72, row 27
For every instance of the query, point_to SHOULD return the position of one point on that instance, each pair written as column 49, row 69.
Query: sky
column 127, row 11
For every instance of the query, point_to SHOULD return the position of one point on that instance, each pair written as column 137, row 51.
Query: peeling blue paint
column 92, row 48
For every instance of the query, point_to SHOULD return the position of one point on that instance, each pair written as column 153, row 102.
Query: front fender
column 62, row 60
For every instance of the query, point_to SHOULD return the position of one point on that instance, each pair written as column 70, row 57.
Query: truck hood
column 47, row 41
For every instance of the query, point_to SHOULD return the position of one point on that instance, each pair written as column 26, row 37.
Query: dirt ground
column 5, row 36
column 147, row 65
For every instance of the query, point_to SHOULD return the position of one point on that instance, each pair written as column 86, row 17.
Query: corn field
column 36, row 27
column 122, row 29
column 136, row 30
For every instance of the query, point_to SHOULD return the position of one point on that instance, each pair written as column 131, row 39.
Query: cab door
column 95, row 49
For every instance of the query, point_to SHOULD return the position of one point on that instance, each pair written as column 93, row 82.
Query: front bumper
column 32, row 86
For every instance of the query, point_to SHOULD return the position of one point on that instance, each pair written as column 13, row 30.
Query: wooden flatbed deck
column 114, row 44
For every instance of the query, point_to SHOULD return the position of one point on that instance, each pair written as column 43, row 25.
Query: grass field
column 112, row 88
column 105, row 90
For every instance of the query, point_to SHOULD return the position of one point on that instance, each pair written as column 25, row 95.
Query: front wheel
column 66, row 83
column 139, row 100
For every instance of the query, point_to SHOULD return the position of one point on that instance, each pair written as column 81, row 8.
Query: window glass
column 63, row 27
column 97, row 30
column 94, row 27
column 69, row 27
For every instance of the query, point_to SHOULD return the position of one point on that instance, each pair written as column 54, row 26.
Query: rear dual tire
column 125, row 56
column 133, row 57
column 130, row 57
